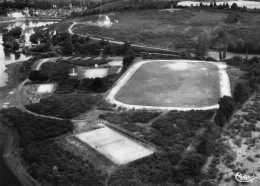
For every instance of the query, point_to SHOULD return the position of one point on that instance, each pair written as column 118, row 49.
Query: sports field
column 114, row 146
column 176, row 84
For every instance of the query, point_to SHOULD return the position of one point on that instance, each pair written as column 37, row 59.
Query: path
column 11, row 158
column 21, row 106
column 116, row 42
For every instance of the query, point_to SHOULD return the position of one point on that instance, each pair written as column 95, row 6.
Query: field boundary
column 223, row 83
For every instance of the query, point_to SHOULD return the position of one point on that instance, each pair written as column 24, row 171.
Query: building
column 104, row 21
column 15, row 14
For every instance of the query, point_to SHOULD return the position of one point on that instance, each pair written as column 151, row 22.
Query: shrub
column 191, row 164
column 68, row 48
column 241, row 92
column 238, row 142
column 37, row 76
column 65, row 106
column 235, row 61
column 220, row 118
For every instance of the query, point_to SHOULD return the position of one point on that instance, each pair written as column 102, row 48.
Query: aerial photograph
column 129, row 92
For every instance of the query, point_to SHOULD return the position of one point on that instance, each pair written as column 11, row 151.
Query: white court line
column 223, row 82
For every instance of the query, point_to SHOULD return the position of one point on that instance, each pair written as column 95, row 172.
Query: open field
column 114, row 146
column 177, row 29
column 166, row 84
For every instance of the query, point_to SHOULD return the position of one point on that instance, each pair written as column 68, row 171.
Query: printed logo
column 244, row 178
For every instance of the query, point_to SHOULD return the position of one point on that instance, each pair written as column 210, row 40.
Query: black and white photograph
column 129, row 92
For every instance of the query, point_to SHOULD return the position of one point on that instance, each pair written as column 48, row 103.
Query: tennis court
column 116, row 147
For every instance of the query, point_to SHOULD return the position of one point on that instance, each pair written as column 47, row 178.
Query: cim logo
column 244, row 178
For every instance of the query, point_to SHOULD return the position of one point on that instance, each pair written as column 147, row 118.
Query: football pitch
column 171, row 84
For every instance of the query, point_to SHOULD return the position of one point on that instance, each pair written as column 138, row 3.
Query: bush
column 37, row 76
column 33, row 129
column 220, row 118
column 15, row 45
column 202, row 46
column 42, row 159
column 68, row 48
column 238, row 142
column 242, row 92
column 128, row 59
column 235, row 61
column 234, row 6
column 225, row 111
column 130, row 117
column 155, row 169
column 45, row 160
column 65, row 106
column 191, row 164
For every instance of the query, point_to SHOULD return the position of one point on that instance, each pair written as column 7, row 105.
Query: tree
column 98, row 84
column 36, row 76
column 126, row 48
column 15, row 45
column 234, row 6
column 241, row 92
column 215, row 4
column 128, row 59
column 16, row 32
column 249, row 47
column 225, row 111
column 77, row 47
column 220, row 118
column 191, row 164
column 227, row 106
column 202, row 46
column 206, row 144
column 227, row 5
column 220, row 41
column 68, row 48
column 75, row 38
column 240, row 46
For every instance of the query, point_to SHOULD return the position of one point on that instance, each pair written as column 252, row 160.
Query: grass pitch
column 172, row 84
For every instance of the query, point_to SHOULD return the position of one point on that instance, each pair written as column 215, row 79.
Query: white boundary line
column 223, row 82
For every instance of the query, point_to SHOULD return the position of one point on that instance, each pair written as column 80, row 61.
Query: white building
column 15, row 14
column 104, row 21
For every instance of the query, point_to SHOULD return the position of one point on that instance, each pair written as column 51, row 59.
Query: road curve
column 116, row 42
column 21, row 107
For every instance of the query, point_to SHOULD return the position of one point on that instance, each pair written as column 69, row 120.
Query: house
column 26, row 12
column 104, row 21
column 15, row 14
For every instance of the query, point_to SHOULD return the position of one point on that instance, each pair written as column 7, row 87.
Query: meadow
column 178, row 29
